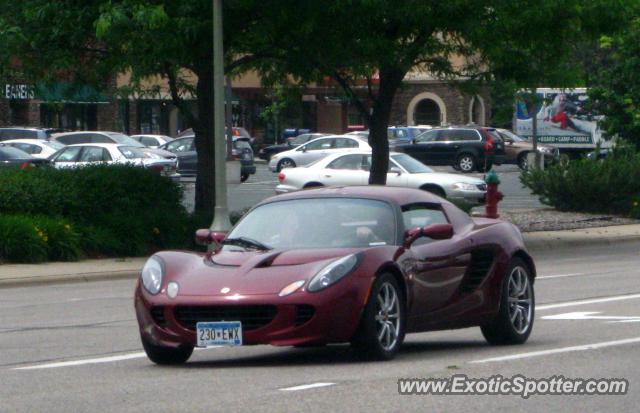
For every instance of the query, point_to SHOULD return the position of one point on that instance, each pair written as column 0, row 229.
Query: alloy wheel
column 388, row 316
column 520, row 299
column 466, row 163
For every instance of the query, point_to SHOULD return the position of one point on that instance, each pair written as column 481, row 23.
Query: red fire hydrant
column 493, row 195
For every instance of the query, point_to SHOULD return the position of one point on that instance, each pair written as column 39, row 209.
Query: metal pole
column 221, row 222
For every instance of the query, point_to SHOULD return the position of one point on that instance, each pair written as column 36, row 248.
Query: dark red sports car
column 363, row 265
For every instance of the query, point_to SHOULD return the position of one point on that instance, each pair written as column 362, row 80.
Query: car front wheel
column 382, row 327
column 514, row 321
column 466, row 163
column 167, row 355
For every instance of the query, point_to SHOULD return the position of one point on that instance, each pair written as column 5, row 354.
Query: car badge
column 225, row 290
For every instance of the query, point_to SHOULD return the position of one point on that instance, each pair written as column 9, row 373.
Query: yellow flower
column 67, row 227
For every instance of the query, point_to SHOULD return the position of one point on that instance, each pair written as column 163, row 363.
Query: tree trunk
column 204, row 142
column 390, row 81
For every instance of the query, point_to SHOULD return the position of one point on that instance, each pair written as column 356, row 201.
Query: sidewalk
column 15, row 275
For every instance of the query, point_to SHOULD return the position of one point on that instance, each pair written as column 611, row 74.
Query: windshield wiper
column 246, row 243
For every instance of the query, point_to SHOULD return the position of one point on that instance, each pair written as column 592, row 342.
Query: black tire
column 522, row 161
column 436, row 190
column 312, row 185
column 502, row 330
column 286, row 163
column 466, row 163
column 167, row 355
column 244, row 177
column 365, row 340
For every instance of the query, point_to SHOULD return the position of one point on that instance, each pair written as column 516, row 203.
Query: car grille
column 251, row 316
column 482, row 187
column 157, row 313
column 304, row 313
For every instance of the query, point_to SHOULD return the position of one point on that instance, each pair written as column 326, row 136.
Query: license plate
column 222, row 333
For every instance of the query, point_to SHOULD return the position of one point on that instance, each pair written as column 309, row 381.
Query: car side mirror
column 206, row 236
column 304, row 149
column 434, row 231
column 395, row 170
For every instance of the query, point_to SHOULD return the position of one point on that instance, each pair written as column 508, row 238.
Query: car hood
column 245, row 272
column 445, row 178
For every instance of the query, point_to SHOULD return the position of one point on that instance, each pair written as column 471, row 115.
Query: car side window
column 429, row 136
column 180, row 145
column 96, row 138
column 351, row 162
column 341, row 143
column 422, row 215
column 91, row 154
column 319, row 145
column 69, row 154
column 148, row 141
column 30, row 149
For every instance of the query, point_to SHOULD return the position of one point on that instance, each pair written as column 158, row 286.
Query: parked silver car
column 315, row 150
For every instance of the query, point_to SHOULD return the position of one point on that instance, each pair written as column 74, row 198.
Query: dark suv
column 466, row 148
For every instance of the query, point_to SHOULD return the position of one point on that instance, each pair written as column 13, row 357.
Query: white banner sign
column 18, row 91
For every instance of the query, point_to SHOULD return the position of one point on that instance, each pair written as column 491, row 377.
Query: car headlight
column 546, row 149
column 463, row 186
column 152, row 274
column 333, row 272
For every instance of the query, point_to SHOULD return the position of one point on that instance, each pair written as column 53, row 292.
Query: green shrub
column 37, row 239
column 118, row 210
column 611, row 185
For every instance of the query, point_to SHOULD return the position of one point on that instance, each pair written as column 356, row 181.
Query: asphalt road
column 75, row 348
column 263, row 183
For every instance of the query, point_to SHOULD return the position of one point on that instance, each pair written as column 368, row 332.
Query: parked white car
column 315, row 150
column 35, row 147
column 109, row 154
column 352, row 168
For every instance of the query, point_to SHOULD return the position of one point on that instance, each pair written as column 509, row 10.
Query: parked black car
column 466, row 148
column 12, row 157
column 185, row 149
column 267, row 152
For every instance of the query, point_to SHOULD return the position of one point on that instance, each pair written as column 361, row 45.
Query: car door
column 313, row 151
column 349, row 169
column 92, row 155
column 67, row 157
column 422, row 148
column 438, row 266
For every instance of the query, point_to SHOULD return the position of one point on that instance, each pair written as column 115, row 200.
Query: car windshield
column 131, row 153
column 54, row 145
column 512, row 135
column 304, row 223
column 300, row 139
column 411, row 165
column 125, row 140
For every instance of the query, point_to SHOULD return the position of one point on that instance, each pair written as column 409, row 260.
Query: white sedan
column 109, row 154
column 37, row 148
column 315, row 150
column 353, row 169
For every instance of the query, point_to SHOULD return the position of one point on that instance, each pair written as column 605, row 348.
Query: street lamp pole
column 221, row 222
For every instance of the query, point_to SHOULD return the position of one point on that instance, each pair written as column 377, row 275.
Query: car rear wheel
column 286, row 163
column 466, row 163
column 514, row 321
column 522, row 161
column 167, row 355
column 382, row 327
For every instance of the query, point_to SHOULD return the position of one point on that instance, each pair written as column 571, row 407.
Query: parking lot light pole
column 221, row 222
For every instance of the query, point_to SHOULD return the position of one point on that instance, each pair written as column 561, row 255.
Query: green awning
column 67, row 92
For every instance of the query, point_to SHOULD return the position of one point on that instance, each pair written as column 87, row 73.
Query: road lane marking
column 109, row 359
column 589, row 315
column 549, row 277
column 589, row 301
column 541, row 353
column 306, row 386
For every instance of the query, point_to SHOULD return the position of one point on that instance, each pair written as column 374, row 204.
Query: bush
column 611, row 185
column 117, row 210
column 37, row 239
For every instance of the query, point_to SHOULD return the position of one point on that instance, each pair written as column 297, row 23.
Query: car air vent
column 481, row 262
column 157, row 313
column 251, row 316
column 304, row 313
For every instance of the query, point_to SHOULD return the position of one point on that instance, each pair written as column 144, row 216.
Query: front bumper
column 335, row 316
column 285, row 189
column 471, row 198
column 273, row 165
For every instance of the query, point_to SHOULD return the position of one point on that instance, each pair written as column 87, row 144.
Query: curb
column 69, row 278
column 598, row 236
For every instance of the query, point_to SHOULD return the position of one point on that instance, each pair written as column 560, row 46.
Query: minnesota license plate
column 222, row 333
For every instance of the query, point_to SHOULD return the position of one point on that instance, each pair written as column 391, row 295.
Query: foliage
column 615, row 84
column 38, row 238
column 119, row 210
column 611, row 185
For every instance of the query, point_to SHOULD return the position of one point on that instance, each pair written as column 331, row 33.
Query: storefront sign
column 18, row 91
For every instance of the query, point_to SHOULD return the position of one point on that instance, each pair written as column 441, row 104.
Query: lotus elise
column 361, row 265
